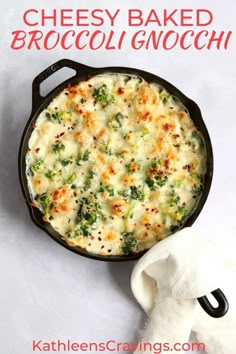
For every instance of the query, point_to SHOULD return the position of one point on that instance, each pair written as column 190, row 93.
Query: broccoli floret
column 70, row 179
column 44, row 202
column 182, row 213
column 137, row 194
column 161, row 180
column 130, row 243
column 58, row 147
column 83, row 157
column 103, row 96
column 87, row 215
column 37, row 166
column 50, row 174
column 115, row 121
column 55, row 116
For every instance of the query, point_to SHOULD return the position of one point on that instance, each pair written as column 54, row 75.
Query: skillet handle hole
column 54, row 80
column 218, row 310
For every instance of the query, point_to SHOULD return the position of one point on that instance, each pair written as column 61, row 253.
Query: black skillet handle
column 215, row 312
column 63, row 63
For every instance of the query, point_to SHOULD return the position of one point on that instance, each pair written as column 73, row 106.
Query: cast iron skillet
column 83, row 72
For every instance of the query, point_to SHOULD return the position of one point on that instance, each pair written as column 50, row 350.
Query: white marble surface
column 47, row 292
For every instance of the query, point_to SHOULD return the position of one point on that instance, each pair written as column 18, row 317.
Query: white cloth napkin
column 166, row 282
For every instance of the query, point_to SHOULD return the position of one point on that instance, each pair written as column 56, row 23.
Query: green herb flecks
column 58, row 147
column 181, row 213
column 50, row 174
column 156, row 177
column 124, row 193
column 130, row 243
column 164, row 96
column 108, row 189
column 115, row 122
column 103, row 95
column 150, row 183
column 137, row 193
column 88, row 213
column 37, row 166
column 44, row 202
column 55, row 116
column 82, row 157
column 83, row 229
column 106, row 149
column 70, row 179
column 197, row 180
column 89, row 178
column 65, row 162
column 178, row 208
column 160, row 180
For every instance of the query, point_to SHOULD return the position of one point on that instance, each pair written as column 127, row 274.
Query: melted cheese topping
column 115, row 164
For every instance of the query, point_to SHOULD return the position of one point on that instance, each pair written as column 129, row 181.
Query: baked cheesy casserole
column 115, row 164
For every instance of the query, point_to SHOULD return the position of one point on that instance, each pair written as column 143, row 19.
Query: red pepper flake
column 99, row 239
column 147, row 209
column 132, row 160
column 99, row 232
column 37, row 150
column 153, row 209
column 175, row 136
column 121, row 161
column 57, row 141
column 33, row 125
column 184, row 203
column 89, row 244
column 61, row 134
column 166, row 164
column 186, row 167
column 158, row 225
column 92, row 237
column 120, row 90
column 154, row 171
column 94, row 138
column 166, row 127
column 147, row 225
column 57, row 136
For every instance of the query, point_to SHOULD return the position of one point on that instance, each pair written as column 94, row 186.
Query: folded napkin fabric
column 167, row 281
